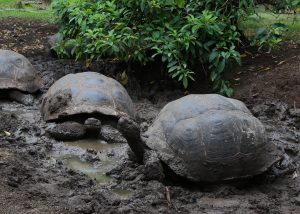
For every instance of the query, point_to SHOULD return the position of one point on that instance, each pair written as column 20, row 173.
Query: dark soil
column 274, row 76
column 32, row 182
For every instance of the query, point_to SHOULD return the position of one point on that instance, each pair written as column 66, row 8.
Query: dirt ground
column 32, row 182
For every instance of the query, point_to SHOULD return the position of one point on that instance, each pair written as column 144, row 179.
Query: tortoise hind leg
column 26, row 99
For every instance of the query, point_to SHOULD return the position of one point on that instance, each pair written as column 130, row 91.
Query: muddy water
column 95, row 144
column 98, row 173
column 93, row 157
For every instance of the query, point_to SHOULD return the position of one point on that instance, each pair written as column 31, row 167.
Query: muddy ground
column 35, row 176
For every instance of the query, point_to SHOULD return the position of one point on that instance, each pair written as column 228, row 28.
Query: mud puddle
column 96, row 172
column 92, row 157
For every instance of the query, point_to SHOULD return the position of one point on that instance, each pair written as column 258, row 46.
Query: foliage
column 179, row 32
column 269, row 38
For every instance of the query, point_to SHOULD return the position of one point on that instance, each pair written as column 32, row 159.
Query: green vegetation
column 266, row 19
column 9, row 9
column 180, row 33
column 7, row 3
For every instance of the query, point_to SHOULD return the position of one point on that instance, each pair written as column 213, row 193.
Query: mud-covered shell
column 86, row 93
column 16, row 72
column 210, row 138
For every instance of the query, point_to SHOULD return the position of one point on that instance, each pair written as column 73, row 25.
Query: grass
column 7, row 3
column 29, row 12
column 265, row 19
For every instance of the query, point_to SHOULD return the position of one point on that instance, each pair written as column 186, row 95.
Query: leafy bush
column 269, row 38
column 180, row 33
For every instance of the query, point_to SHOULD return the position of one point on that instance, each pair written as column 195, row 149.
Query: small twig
column 168, row 197
column 294, row 104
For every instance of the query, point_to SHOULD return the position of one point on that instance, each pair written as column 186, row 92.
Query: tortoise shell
column 210, row 138
column 16, row 72
column 86, row 93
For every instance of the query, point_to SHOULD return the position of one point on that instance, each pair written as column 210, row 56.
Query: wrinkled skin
column 18, row 96
column 67, row 131
column 131, row 131
column 26, row 99
column 90, row 128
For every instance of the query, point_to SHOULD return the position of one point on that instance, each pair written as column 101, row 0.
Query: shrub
column 269, row 38
column 180, row 33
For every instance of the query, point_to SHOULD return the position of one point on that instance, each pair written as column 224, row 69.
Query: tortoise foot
column 92, row 124
column 153, row 169
column 67, row 131
column 26, row 99
column 111, row 135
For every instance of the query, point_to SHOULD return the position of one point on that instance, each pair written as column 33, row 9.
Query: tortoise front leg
column 18, row 96
column 67, row 131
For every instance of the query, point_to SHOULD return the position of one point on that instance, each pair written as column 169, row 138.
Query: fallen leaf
column 295, row 175
column 7, row 134
column 124, row 78
column 281, row 62
column 264, row 69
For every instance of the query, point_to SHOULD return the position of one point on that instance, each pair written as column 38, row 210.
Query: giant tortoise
column 18, row 77
column 204, row 138
column 81, row 102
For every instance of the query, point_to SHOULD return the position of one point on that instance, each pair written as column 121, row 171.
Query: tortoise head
column 128, row 127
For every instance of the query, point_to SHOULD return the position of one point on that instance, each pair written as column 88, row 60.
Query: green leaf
column 213, row 55
column 279, row 25
column 156, row 34
column 221, row 65
column 115, row 48
column 185, row 82
column 213, row 76
column 261, row 31
column 171, row 69
column 171, row 63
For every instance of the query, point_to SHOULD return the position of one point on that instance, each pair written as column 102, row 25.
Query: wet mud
column 41, row 175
